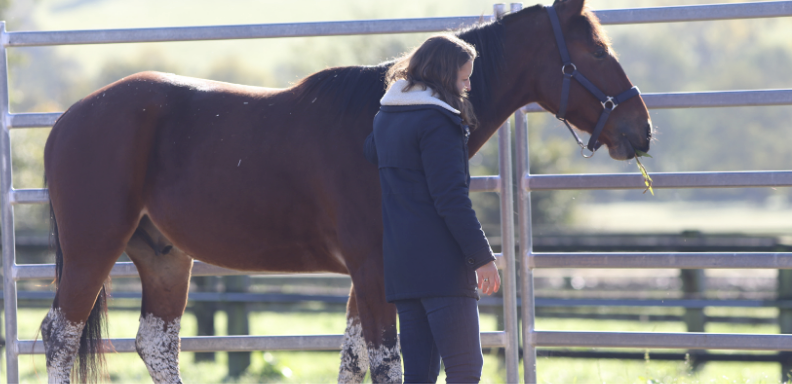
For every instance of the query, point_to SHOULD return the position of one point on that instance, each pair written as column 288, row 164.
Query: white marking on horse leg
column 385, row 363
column 354, row 354
column 158, row 345
column 61, row 342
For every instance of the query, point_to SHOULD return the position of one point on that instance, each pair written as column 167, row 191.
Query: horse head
column 585, row 85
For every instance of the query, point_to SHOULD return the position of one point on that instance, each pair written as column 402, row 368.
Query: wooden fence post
column 785, row 319
column 204, row 312
column 237, row 313
column 693, row 288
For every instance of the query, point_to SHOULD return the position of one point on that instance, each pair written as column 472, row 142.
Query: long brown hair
column 435, row 65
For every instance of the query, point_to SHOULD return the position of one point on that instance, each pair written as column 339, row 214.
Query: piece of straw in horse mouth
column 647, row 179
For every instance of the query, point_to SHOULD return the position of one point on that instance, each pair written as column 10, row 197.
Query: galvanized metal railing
column 501, row 183
column 12, row 272
column 546, row 182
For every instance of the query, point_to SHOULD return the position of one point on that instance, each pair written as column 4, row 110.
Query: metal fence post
column 9, row 259
column 526, row 248
column 507, row 250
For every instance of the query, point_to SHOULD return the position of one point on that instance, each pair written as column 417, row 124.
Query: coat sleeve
column 370, row 149
column 443, row 158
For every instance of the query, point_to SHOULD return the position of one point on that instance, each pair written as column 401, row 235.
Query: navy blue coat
column 432, row 241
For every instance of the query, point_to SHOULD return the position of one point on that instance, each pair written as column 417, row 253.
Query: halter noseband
column 569, row 70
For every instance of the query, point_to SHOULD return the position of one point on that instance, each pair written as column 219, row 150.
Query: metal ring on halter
column 584, row 154
column 609, row 100
column 563, row 68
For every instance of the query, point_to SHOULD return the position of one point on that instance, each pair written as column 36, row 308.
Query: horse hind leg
column 378, row 319
column 73, row 328
column 165, row 275
column 354, row 353
column 61, row 342
column 377, row 327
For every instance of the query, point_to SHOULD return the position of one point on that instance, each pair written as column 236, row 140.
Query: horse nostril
column 167, row 249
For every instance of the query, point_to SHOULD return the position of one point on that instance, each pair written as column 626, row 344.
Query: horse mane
column 488, row 66
column 356, row 90
column 487, row 38
column 353, row 90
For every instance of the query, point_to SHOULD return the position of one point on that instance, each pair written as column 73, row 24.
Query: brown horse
column 173, row 169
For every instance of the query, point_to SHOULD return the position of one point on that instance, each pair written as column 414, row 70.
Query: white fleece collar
column 415, row 96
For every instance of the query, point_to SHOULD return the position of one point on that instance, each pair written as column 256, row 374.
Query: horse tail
column 90, row 362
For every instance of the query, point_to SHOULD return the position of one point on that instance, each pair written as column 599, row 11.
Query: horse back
column 221, row 169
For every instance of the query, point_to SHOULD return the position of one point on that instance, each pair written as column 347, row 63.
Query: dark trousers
column 437, row 328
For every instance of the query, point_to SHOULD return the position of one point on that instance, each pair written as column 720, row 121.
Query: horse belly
column 255, row 211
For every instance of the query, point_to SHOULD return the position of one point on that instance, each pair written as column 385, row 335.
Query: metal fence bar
column 485, row 184
column 368, row 27
column 661, row 180
column 128, row 269
column 488, row 340
column 677, row 303
column 681, row 260
column 653, row 101
column 720, row 99
column 250, row 31
column 250, row 343
column 29, row 196
column 236, row 297
column 696, row 13
column 33, row 120
column 765, row 97
column 690, row 340
column 288, row 298
column 41, row 196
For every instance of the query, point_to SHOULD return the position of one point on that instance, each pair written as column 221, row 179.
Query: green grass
column 582, row 371
column 321, row 367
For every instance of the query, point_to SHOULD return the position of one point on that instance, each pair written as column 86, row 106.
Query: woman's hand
column 488, row 278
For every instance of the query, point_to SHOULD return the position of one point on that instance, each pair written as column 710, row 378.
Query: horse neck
column 514, row 88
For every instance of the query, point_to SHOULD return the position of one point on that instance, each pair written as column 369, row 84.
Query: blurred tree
column 695, row 57
column 231, row 70
column 150, row 60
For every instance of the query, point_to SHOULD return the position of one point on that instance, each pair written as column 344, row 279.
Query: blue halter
column 569, row 70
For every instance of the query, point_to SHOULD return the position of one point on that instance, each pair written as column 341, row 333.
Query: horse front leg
column 165, row 275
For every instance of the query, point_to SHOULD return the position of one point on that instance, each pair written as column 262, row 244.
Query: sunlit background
column 670, row 57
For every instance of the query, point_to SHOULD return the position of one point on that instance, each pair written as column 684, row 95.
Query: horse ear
column 569, row 8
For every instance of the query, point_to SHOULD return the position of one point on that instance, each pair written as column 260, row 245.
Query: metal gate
column 10, row 197
column 500, row 183
column 547, row 182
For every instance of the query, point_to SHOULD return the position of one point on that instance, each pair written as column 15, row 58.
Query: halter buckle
column 563, row 69
column 611, row 101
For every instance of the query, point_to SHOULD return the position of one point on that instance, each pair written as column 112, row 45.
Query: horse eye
column 599, row 53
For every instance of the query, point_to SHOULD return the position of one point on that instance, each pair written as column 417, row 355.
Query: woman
column 435, row 252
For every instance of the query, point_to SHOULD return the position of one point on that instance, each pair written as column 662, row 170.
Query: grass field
column 321, row 367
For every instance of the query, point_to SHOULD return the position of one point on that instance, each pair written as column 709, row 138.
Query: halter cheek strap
column 569, row 70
